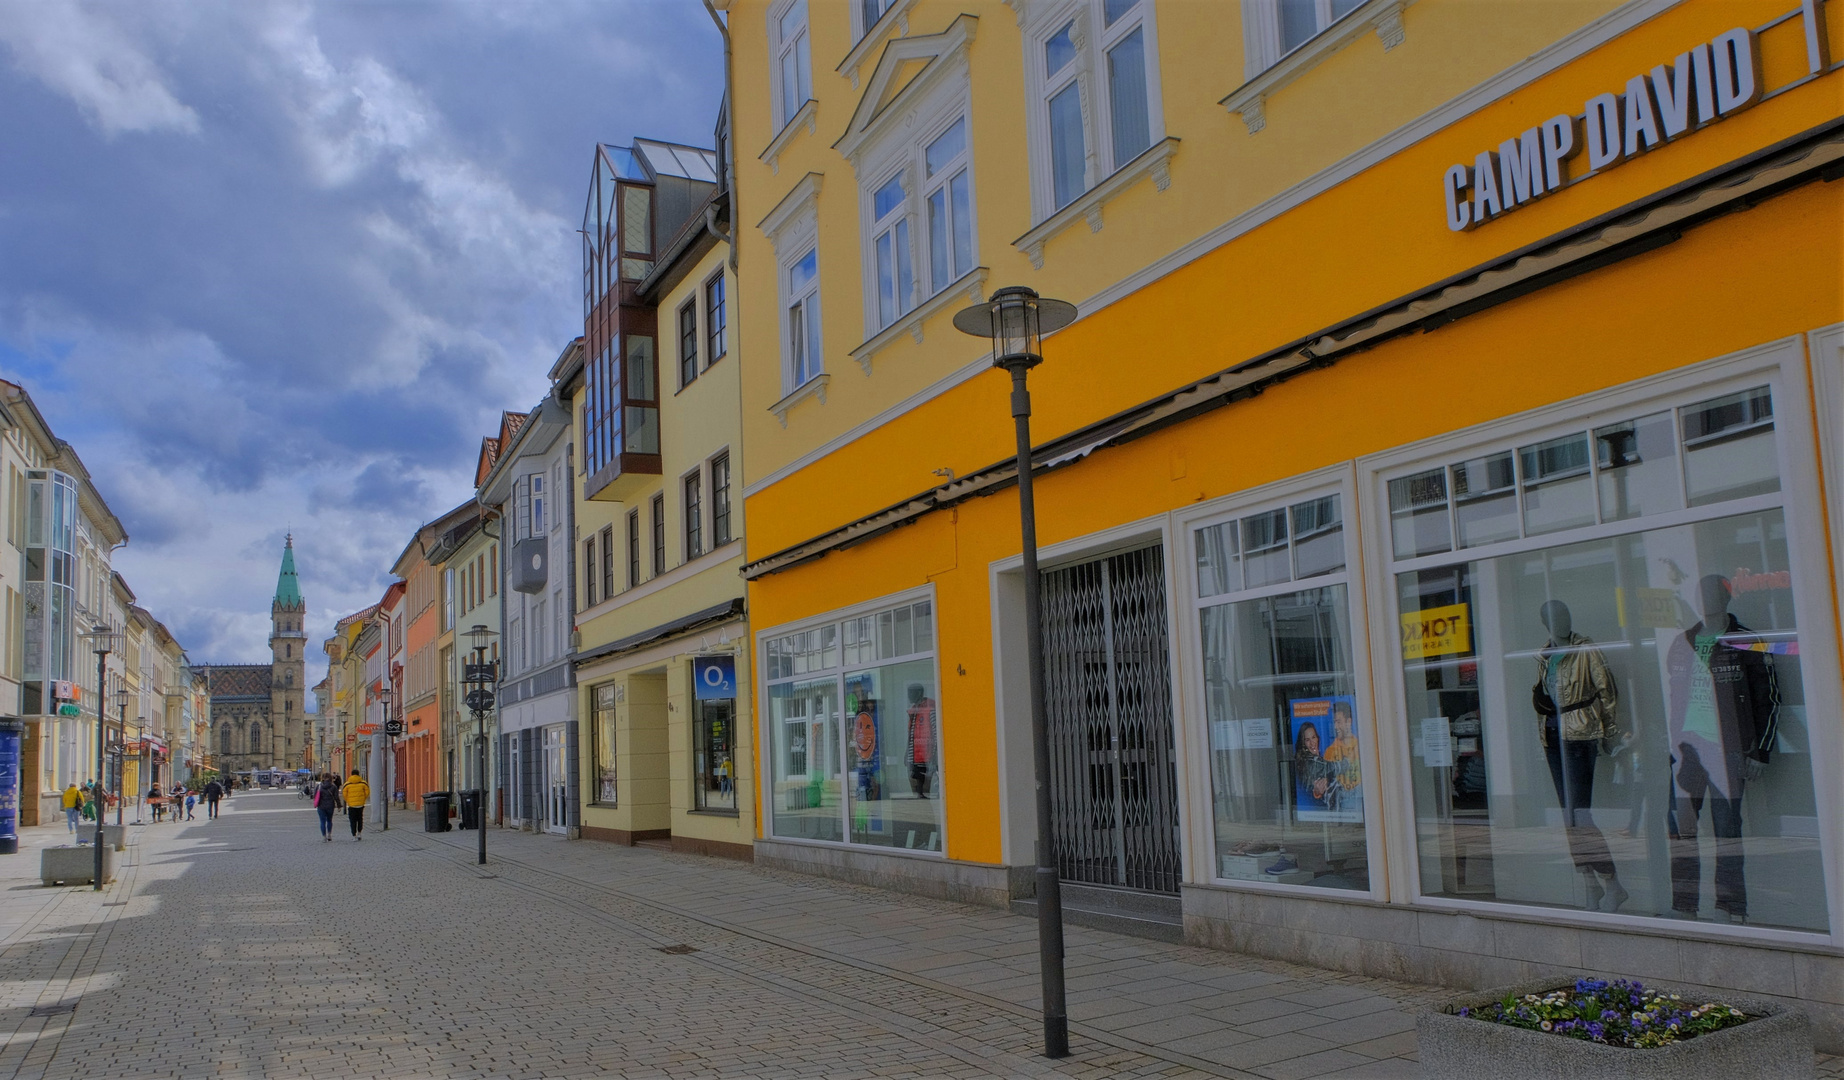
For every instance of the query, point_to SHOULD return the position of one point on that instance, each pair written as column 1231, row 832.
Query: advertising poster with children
column 1327, row 781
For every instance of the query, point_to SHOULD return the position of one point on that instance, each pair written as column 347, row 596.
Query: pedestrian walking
column 178, row 798
column 73, row 805
column 214, row 792
column 157, row 801
column 326, row 800
column 191, row 801
column 356, row 794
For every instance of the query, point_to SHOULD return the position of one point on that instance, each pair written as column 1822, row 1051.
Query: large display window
column 1280, row 694
column 855, row 750
column 1604, row 704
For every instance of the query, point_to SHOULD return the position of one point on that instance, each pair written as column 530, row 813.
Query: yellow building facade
column 663, row 632
column 1437, row 493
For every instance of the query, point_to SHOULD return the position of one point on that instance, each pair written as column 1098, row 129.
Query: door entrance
column 1108, row 700
column 556, row 781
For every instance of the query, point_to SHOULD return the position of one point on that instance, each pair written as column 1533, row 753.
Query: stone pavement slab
column 248, row 947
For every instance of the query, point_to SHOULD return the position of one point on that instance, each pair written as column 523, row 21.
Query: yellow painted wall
column 1353, row 98
column 1736, row 282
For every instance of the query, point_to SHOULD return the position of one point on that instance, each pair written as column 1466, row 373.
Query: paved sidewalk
column 248, row 947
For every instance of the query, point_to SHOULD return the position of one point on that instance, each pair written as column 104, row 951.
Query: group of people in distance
column 330, row 795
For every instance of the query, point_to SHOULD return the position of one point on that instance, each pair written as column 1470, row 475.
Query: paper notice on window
column 1435, row 744
column 1258, row 733
column 1226, row 735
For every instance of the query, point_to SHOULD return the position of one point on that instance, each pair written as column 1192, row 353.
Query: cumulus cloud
column 303, row 316
column 79, row 53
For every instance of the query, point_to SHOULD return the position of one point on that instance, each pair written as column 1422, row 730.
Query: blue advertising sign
column 713, row 678
column 9, row 787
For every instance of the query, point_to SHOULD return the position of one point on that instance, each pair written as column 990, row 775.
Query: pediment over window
column 905, row 72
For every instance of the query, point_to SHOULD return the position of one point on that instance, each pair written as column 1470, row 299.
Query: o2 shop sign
column 713, row 678
column 1706, row 84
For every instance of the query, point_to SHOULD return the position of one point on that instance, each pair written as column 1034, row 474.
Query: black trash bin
column 435, row 811
column 470, row 809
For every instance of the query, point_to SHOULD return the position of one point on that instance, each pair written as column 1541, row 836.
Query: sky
column 278, row 266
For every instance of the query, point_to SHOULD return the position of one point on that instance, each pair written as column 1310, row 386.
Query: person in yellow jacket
column 356, row 794
column 73, row 805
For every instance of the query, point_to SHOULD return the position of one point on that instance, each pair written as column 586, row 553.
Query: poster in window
column 1327, row 779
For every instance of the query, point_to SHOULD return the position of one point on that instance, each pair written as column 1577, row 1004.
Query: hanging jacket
column 1586, row 699
column 1745, row 689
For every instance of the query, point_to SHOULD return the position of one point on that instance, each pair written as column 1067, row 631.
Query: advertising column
column 10, row 731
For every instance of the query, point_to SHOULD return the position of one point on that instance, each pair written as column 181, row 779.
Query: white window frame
column 1340, row 480
column 1089, row 72
column 899, row 223
column 536, row 525
column 904, row 158
column 769, row 731
column 799, row 367
column 1778, row 364
column 692, row 531
column 796, row 49
column 959, row 165
column 792, row 227
column 1266, row 68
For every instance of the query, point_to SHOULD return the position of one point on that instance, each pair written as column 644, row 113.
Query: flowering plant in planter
column 1617, row 1013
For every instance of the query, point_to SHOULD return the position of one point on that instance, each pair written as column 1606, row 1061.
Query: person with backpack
column 357, row 794
column 214, row 792
column 326, row 800
column 73, row 805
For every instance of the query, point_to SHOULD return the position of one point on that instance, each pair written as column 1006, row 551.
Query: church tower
column 288, row 668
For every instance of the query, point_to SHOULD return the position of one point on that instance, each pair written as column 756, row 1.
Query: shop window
column 1615, row 720
column 714, row 755
column 855, row 740
column 1280, row 698
column 602, row 706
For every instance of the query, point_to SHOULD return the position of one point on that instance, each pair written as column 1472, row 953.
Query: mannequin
column 1723, row 714
column 1576, row 702
column 921, row 749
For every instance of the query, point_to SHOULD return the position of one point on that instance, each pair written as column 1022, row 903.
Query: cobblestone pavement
column 248, row 947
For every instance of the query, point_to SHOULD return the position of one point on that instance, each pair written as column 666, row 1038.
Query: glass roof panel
column 671, row 159
column 626, row 165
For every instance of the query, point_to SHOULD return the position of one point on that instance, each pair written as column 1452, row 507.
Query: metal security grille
column 1113, row 779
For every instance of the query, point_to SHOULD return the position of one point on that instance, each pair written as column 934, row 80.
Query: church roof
column 287, row 585
column 240, row 680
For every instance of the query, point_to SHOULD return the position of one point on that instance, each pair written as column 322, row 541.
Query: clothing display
column 1724, row 710
column 920, row 752
column 1577, row 703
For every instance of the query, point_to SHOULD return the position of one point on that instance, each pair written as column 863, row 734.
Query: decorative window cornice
column 1249, row 101
column 1154, row 161
column 895, row 17
column 879, row 106
column 814, row 387
column 797, row 203
column 807, row 116
column 970, row 285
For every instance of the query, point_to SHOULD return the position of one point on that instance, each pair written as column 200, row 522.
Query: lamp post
column 121, row 703
column 482, row 676
column 102, row 642
column 390, row 754
column 1015, row 320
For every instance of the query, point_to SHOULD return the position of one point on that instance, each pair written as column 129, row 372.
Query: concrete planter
column 74, row 865
column 115, row 837
column 1777, row 1043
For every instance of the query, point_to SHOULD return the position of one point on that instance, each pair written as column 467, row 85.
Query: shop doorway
column 556, row 781
column 1108, row 701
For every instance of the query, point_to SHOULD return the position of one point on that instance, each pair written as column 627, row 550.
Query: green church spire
column 288, row 586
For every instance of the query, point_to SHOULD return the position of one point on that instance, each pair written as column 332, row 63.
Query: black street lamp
column 390, row 754
column 481, row 676
column 121, row 753
column 1015, row 320
column 102, row 642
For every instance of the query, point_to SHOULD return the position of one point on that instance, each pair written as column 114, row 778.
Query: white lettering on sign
column 1705, row 84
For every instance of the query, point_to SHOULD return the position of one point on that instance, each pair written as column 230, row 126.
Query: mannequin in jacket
column 1577, row 701
column 1723, row 714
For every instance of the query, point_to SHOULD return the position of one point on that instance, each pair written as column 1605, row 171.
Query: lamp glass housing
column 1015, row 320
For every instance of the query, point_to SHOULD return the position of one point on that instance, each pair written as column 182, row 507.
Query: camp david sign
column 1702, row 85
